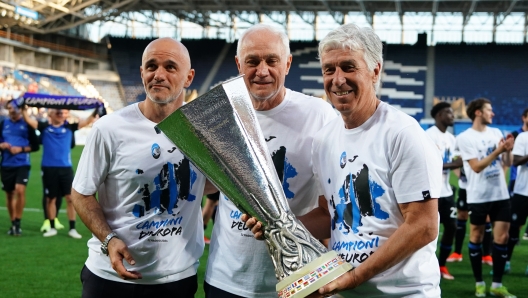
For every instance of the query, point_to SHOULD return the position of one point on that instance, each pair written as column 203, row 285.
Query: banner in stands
column 58, row 101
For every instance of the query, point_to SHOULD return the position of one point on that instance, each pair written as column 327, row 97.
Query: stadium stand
column 496, row 72
column 403, row 79
column 228, row 68
column 126, row 57
column 461, row 73
column 109, row 91
column 204, row 54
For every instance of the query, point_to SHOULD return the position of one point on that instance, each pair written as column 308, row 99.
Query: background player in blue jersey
column 17, row 139
column 57, row 171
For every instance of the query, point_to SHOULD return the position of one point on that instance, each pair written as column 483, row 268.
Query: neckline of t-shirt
column 21, row 119
column 365, row 125
column 58, row 126
column 278, row 108
column 484, row 131
column 138, row 111
column 441, row 132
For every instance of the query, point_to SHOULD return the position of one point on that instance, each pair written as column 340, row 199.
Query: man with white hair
column 381, row 177
column 239, row 266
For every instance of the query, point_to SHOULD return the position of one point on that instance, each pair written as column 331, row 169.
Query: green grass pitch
column 34, row 266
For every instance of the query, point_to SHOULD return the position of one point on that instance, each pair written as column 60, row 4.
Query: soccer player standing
column 17, row 138
column 445, row 141
column 484, row 151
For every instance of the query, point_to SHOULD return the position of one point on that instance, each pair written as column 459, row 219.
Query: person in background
column 513, row 169
column 445, row 142
column 209, row 211
column 17, row 139
column 57, row 172
column 520, row 191
column 484, row 152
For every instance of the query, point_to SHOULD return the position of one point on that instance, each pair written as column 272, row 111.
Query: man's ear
column 190, row 77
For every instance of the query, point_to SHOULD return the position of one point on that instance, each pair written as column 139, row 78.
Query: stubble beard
column 163, row 102
column 485, row 122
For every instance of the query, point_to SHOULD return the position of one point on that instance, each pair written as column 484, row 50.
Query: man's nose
column 339, row 78
column 262, row 69
column 159, row 74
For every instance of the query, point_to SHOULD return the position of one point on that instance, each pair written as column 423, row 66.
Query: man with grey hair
column 380, row 175
column 239, row 266
column 149, row 212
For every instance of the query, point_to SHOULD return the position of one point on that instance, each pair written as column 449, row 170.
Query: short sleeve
column 521, row 145
column 94, row 164
column 415, row 167
column 73, row 126
column 430, row 133
column 465, row 149
column 42, row 125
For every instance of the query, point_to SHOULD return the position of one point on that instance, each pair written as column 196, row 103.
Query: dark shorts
column 519, row 209
column 97, row 287
column 14, row 175
column 497, row 211
column 447, row 209
column 462, row 200
column 511, row 185
column 214, row 292
column 214, row 196
column 57, row 181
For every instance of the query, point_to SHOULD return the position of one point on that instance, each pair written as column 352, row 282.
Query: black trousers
column 214, row 292
column 96, row 287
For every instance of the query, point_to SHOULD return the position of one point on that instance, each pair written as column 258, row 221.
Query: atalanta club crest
column 156, row 151
column 343, row 160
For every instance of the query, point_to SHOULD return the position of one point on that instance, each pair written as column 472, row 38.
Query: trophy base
column 313, row 276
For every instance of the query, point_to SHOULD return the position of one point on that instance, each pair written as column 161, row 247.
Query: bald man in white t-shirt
column 146, row 220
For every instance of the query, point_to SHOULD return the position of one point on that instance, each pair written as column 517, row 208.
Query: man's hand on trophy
column 348, row 280
column 255, row 226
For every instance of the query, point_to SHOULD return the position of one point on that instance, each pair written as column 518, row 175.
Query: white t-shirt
column 490, row 184
column 462, row 180
column 445, row 143
column 237, row 263
column 520, row 148
column 365, row 173
column 150, row 195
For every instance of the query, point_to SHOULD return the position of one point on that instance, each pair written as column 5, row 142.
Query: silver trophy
column 220, row 134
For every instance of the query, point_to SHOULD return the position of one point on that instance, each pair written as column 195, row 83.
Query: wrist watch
column 104, row 245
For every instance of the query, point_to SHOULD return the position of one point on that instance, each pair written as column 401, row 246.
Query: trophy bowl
column 219, row 132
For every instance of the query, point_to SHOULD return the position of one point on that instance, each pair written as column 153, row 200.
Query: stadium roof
column 48, row 16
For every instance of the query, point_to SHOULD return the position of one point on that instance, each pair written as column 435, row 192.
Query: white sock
column 495, row 285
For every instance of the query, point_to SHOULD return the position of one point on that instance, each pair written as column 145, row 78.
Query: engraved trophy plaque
column 220, row 134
